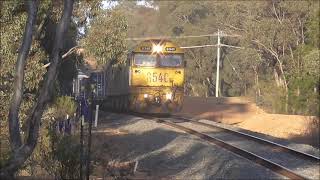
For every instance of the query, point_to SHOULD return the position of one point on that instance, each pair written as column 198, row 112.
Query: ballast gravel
column 163, row 152
column 306, row 148
column 299, row 165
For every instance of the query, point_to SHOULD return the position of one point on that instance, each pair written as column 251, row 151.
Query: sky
column 107, row 4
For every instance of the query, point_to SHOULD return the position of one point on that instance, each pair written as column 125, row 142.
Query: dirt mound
column 225, row 110
column 241, row 112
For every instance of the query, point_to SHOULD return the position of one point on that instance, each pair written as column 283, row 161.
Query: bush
column 55, row 154
column 67, row 154
column 64, row 106
column 272, row 99
column 313, row 131
column 303, row 99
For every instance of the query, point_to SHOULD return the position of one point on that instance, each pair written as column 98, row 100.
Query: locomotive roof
column 167, row 46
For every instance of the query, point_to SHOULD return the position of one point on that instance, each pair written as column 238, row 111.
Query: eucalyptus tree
column 106, row 45
column 278, row 37
column 21, row 149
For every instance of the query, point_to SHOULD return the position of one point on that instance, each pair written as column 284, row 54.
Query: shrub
column 55, row 154
column 64, row 105
column 67, row 154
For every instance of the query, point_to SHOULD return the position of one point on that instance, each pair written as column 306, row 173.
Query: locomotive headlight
column 169, row 96
column 157, row 48
column 145, row 96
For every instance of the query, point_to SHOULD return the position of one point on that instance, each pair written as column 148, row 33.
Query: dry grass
column 313, row 131
column 120, row 170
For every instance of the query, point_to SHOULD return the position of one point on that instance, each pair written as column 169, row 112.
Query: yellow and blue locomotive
column 150, row 81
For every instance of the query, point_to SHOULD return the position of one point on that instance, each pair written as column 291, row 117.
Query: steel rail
column 257, row 139
column 243, row 153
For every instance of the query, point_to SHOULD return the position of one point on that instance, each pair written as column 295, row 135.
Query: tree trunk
column 259, row 91
column 13, row 117
column 276, row 77
column 285, row 85
column 245, row 89
column 256, row 80
column 20, row 154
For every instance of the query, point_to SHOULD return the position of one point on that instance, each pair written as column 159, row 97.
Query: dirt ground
column 129, row 147
column 244, row 114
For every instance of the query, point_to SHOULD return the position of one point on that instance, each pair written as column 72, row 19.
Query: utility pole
column 219, row 35
column 218, row 45
column 218, row 65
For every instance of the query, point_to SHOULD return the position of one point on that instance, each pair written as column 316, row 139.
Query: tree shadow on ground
column 115, row 120
column 201, row 161
column 165, row 153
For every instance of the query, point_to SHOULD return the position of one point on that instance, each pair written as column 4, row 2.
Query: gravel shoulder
column 306, row 148
column 164, row 153
column 304, row 167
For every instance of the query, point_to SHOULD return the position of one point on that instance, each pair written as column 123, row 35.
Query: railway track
column 257, row 139
column 270, row 163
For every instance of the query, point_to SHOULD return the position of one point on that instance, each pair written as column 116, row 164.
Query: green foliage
column 313, row 30
column 105, row 40
column 55, row 155
column 13, row 19
column 272, row 98
column 303, row 98
column 280, row 41
column 64, row 106
column 67, row 153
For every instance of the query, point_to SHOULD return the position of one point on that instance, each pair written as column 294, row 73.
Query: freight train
column 150, row 81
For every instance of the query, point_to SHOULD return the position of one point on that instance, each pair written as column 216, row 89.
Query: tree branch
column 19, row 156
column 265, row 47
column 233, row 27
column 275, row 12
column 44, row 20
column 64, row 55
column 279, row 61
column 13, row 117
column 46, row 90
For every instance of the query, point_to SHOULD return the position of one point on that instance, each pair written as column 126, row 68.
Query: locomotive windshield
column 145, row 60
column 170, row 60
column 164, row 60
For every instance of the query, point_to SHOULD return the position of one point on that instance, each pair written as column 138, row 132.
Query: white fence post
column 96, row 117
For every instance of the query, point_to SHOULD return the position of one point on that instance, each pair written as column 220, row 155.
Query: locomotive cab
column 156, row 77
column 151, row 80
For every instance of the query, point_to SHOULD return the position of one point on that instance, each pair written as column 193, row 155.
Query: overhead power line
column 231, row 46
column 181, row 37
column 233, row 68
column 168, row 37
column 191, row 47
column 210, row 45
column 218, row 34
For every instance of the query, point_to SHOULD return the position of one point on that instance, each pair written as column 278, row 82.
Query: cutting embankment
column 244, row 114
